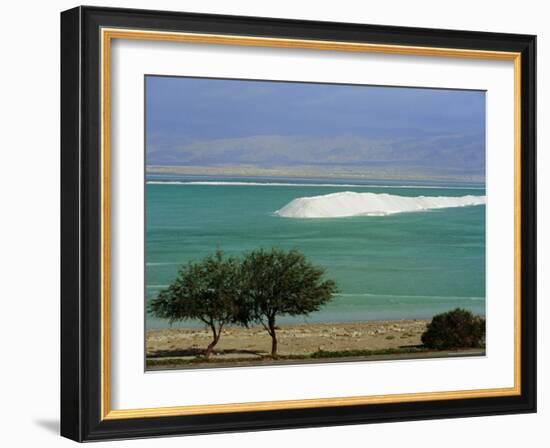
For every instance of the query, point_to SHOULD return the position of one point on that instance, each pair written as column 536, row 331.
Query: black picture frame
column 81, row 224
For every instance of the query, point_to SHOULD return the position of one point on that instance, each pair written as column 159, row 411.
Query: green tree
column 207, row 291
column 458, row 328
column 281, row 283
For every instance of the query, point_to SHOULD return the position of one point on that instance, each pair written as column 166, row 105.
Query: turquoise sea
column 399, row 266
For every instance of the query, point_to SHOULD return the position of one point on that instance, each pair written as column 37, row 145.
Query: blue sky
column 211, row 122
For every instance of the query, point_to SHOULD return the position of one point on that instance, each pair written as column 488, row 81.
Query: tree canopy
column 277, row 283
column 207, row 291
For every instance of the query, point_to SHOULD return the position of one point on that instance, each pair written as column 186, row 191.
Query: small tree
column 207, row 291
column 281, row 283
column 458, row 328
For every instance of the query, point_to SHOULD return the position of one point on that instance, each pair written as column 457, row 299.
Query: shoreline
column 310, row 172
column 297, row 338
column 298, row 343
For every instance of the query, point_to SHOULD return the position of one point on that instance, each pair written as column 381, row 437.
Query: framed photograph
column 273, row 223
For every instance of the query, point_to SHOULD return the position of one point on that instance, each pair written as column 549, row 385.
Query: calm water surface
column 402, row 266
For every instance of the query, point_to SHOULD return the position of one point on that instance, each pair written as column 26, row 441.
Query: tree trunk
column 211, row 346
column 273, row 333
column 274, row 345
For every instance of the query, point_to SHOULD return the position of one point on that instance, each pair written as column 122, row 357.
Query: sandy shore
column 303, row 339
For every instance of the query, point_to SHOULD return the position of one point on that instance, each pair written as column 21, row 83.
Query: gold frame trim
column 107, row 35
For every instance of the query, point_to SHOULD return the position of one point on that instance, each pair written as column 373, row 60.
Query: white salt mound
column 348, row 203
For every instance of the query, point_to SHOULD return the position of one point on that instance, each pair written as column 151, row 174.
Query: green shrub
column 458, row 328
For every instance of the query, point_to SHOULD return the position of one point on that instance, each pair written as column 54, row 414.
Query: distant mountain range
column 446, row 156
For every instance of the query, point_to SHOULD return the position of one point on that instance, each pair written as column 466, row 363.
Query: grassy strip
column 320, row 354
